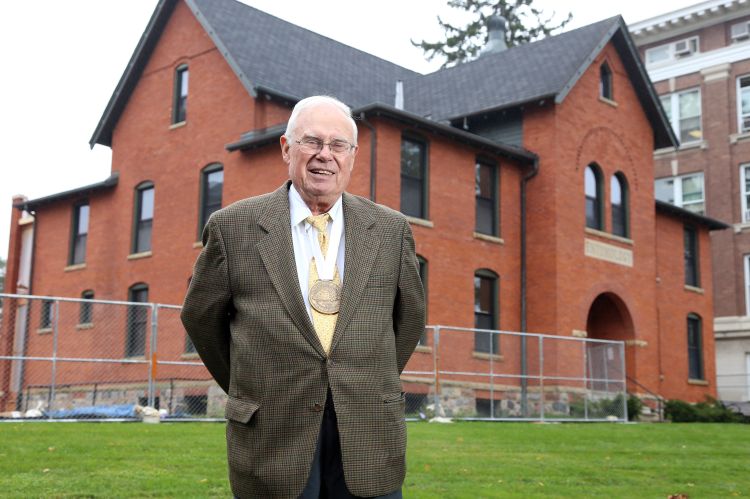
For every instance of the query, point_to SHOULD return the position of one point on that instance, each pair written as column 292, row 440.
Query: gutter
column 524, row 362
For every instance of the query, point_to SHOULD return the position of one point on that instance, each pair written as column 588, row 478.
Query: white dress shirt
column 305, row 235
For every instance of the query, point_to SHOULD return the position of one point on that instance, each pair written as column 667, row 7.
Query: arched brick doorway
column 609, row 319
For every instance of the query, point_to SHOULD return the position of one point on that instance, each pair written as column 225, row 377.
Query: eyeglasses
column 313, row 145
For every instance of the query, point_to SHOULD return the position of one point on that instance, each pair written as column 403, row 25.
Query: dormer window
column 672, row 51
column 605, row 82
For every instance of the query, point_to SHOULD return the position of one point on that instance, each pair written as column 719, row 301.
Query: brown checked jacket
column 245, row 314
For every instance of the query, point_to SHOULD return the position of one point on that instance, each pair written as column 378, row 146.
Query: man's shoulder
column 248, row 208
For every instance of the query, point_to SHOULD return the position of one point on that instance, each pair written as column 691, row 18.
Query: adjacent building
column 698, row 58
column 527, row 176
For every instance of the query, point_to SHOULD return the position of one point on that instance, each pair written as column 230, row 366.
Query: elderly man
column 305, row 305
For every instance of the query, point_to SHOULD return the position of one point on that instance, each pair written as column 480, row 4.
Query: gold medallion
column 325, row 297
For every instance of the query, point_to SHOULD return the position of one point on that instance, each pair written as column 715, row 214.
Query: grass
column 461, row 460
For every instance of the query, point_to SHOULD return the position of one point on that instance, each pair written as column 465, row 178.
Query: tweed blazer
column 245, row 314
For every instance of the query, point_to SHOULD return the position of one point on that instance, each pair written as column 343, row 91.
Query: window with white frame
column 745, row 187
column 684, row 112
column 685, row 191
column 746, row 259
column 740, row 32
column 743, row 104
column 672, row 51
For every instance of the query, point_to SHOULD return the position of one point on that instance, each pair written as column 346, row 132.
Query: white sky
column 61, row 61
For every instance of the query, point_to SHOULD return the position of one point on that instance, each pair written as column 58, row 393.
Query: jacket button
column 317, row 408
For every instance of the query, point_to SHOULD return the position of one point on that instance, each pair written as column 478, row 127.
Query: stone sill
column 607, row 235
column 44, row 330
column 739, row 137
column 138, row 256
column 423, row 349
column 698, row 144
column 741, row 227
column 77, row 266
column 488, row 238
column 487, row 356
column 198, row 244
column 420, row 221
column 174, row 126
column 85, row 325
column 694, row 289
column 607, row 101
column 190, row 356
column 699, row 382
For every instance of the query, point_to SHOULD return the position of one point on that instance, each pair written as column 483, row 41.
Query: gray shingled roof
column 525, row 73
column 275, row 57
column 291, row 60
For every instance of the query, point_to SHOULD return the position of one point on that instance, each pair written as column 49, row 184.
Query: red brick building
column 699, row 60
column 527, row 175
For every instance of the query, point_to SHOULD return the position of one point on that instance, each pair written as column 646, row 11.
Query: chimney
column 496, row 27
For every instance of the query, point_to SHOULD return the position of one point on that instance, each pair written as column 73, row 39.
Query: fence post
column 624, row 383
column 541, row 377
column 492, row 375
column 152, row 348
column 585, row 381
column 436, row 367
column 55, row 323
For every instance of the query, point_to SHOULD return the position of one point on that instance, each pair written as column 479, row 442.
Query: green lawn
column 460, row 460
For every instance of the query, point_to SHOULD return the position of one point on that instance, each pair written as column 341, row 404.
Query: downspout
column 30, row 292
column 524, row 363
column 373, row 154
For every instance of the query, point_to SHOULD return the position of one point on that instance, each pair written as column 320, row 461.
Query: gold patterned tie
column 324, row 323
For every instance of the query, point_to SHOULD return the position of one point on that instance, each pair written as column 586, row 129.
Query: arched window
column 485, row 310
column 86, row 312
column 593, row 181
column 143, row 217
column 605, row 82
column 135, row 339
column 618, row 195
column 695, row 346
column 212, row 187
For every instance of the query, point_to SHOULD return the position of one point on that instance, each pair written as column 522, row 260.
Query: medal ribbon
column 326, row 264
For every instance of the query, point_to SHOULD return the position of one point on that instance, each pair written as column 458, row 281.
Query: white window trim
column 739, row 103
column 674, row 103
column 672, row 55
column 745, row 214
column 746, row 262
column 677, row 189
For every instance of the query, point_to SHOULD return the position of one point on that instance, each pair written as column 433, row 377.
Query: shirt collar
column 298, row 210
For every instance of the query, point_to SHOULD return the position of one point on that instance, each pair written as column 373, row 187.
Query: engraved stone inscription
column 609, row 253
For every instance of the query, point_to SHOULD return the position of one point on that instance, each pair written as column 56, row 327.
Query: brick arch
column 616, row 157
column 609, row 319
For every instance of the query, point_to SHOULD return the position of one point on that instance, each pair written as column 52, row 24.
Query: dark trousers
column 326, row 479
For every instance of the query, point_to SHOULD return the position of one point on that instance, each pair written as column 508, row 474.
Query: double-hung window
column 86, row 310
column 413, row 178
column 79, row 234
column 485, row 311
column 692, row 277
column 684, row 112
column 143, row 220
column 179, row 99
column 593, row 191
column 745, row 189
column 486, row 193
column 685, row 191
column 695, row 347
column 743, row 104
column 212, row 186
column 423, row 277
column 135, row 339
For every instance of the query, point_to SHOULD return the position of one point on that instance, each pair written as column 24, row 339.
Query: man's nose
column 325, row 152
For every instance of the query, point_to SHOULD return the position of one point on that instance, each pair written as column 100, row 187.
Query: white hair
column 316, row 100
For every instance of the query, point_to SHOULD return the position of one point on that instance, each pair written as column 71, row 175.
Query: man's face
column 319, row 178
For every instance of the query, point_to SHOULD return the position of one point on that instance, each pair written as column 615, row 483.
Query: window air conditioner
column 740, row 31
column 682, row 48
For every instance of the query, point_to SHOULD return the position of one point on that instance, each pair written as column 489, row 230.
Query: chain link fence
column 89, row 359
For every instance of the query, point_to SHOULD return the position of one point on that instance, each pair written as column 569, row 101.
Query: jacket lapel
column 277, row 252
column 361, row 248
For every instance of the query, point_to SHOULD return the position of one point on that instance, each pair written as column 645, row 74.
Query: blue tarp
column 95, row 411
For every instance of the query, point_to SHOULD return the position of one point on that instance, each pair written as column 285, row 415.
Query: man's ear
column 284, row 142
